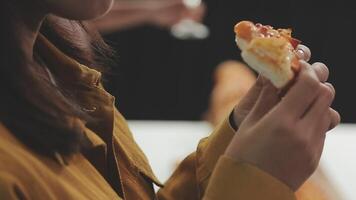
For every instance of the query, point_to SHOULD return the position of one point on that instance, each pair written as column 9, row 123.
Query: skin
column 232, row 80
column 32, row 13
column 294, row 125
column 163, row 14
column 77, row 9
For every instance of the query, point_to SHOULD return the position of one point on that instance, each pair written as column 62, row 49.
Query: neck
column 27, row 23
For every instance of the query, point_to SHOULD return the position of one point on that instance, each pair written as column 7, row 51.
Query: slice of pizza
column 271, row 52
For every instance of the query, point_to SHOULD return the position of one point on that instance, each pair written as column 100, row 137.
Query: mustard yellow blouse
column 114, row 167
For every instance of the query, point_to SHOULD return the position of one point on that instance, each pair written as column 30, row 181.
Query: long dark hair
column 36, row 111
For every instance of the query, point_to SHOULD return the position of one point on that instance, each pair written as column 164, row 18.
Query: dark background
column 160, row 77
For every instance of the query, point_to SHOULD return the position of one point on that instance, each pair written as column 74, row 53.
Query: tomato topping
column 294, row 42
column 247, row 30
column 244, row 30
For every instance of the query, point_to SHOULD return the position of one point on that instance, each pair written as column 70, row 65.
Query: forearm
column 129, row 14
column 119, row 19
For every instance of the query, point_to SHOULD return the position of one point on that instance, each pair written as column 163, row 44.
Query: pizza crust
column 279, row 78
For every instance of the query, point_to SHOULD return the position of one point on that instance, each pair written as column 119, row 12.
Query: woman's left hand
column 247, row 103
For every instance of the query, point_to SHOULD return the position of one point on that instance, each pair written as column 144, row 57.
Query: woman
column 62, row 138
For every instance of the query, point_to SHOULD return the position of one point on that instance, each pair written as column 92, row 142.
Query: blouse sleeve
column 206, row 174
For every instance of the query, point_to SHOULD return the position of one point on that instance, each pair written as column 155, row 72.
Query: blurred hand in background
column 164, row 14
column 232, row 80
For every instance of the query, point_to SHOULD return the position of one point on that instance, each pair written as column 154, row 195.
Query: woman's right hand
column 285, row 137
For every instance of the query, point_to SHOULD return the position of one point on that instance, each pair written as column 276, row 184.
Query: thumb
column 251, row 97
column 267, row 99
column 248, row 101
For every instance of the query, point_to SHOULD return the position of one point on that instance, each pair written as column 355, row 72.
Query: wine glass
column 188, row 28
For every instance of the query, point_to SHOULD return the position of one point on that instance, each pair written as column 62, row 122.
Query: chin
column 79, row 9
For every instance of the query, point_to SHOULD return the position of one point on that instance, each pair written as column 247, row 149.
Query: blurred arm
column 125, row 15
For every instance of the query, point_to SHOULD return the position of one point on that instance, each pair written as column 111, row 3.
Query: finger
column 331, row 88
column 321, row 71
column 251, row 97
column 320, row 106
column 319, row 147
column 302, row 94
column 303, row 53
column 335, row 118
column 267, row 99
column 317, row 137
column 321, row 126
column 246, row 104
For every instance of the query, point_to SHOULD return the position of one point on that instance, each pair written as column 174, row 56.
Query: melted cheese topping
column 271, row 52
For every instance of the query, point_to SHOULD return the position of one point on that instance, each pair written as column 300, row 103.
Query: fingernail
column 300, row 54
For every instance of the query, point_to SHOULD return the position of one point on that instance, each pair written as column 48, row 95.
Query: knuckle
column 301, row 139
column 321, row 68
column 320, row 65
column 302, row 143
column 326, row 93
column 335, row 116
column 286, row 125
column 310, row 80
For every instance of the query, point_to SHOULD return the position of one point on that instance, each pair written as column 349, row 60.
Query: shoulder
column 11, row 187
column 16, row 167
column 9, row 150
column 8, row 143
column 15, row 157
column 10, row 184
